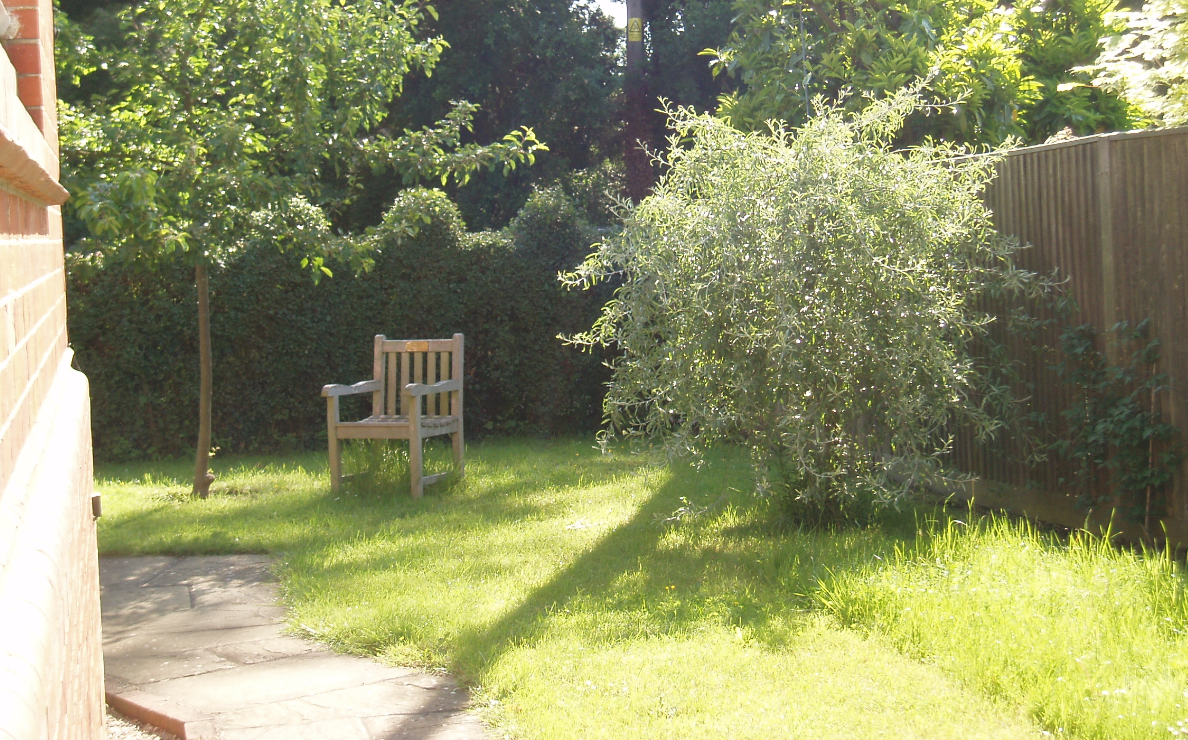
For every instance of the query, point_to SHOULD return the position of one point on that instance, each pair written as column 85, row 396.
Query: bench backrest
column 399, row 362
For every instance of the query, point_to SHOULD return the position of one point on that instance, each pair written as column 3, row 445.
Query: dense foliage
column 990, row 71
column 278, row 337
column 205, row 118
column 547, row 64
column 1148, row 61
column 555, row 65
column 678, row 32
column 812, row 294
column 1055, row 39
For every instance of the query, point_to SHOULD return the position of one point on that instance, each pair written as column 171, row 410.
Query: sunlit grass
column 611, row 596
column 1088, row 638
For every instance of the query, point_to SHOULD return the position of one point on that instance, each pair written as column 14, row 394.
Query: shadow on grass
column 648, row 576
column 652, row 576
column 258, row 505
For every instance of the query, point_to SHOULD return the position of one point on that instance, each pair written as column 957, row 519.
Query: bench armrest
column 367, row 386
column 445, row 386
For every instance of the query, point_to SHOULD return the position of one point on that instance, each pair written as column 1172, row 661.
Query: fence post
column 1105, row 211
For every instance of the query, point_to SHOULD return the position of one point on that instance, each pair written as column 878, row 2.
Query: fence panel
column 1108, row 214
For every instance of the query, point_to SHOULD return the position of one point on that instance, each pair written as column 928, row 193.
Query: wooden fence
column 1109, row 213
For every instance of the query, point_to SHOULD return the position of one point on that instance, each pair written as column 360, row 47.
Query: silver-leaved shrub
column 813, row 294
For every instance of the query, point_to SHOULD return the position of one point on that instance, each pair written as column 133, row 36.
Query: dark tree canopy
column 678, row 32
column 548, row 64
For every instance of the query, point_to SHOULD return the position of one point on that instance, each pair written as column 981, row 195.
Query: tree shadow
column 698, row 550
column 660, row 574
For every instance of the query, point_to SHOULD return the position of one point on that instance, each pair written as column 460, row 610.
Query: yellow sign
column 635, row 29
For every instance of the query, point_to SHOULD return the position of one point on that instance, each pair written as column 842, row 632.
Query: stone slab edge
column 168, row 715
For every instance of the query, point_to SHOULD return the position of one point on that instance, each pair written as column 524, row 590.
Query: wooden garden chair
column 416, row 392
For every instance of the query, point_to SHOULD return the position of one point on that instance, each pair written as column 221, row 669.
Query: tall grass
column 1088, row 638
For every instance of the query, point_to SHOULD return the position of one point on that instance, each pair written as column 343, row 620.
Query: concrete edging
column 186, row 723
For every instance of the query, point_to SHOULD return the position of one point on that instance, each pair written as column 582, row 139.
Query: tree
column 550, row 64
column 786, row 53
column 678, row 31
column 812, row 294
column 218, row 122
column 669, row 69
column 990, row 72
column 1056, row 39
column 1148, row 61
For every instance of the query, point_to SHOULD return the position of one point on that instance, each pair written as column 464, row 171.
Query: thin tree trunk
column 202, row 475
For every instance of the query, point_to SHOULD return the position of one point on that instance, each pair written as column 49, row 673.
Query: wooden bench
column 416, row 392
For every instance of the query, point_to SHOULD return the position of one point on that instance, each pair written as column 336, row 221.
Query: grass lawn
column 606, row 596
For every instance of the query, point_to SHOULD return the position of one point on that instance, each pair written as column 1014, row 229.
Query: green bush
column 814, row 295
column 278, row 337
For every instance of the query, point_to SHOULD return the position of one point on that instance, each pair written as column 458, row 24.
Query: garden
column 711, row 431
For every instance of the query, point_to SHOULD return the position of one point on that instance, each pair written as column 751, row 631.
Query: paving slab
column 195, row 645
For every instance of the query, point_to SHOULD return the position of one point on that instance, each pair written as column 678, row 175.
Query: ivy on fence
column 1125, row 453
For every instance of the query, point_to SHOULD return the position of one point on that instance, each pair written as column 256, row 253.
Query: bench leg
column 335, row 463
column 415, row 449
column 332, row 438
column 459, row 463
column 415, row 470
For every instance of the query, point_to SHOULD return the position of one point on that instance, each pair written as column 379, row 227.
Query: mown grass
column 610, row 596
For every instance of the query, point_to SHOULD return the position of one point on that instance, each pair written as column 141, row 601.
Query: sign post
column 635, row 47
column 639, row 169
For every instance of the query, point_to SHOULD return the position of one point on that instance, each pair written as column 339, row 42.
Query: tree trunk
column 202, row 475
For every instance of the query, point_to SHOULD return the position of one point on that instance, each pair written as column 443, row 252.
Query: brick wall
column 51, row 664
column 31, row 52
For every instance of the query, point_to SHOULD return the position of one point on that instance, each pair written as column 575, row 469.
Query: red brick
column 28, row 18
column 25, row 56
column 29, row 90
column 5, row 213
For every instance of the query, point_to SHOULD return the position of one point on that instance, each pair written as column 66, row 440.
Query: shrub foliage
column 278, row 337
column 813, row 294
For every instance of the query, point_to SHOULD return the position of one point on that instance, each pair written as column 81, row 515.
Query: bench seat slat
column 389, row 430
column 384, row 426
column 386, row 420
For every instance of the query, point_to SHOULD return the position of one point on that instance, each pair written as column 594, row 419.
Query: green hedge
column 278, row 337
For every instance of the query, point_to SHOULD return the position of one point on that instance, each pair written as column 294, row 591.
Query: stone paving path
column 194, row 646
